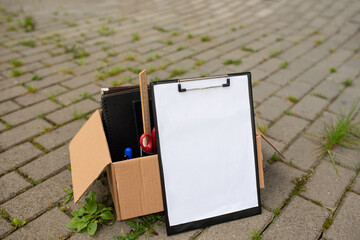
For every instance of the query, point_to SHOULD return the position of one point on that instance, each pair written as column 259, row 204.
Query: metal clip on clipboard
column 180, row 89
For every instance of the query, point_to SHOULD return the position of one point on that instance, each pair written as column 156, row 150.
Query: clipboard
column 205, row 132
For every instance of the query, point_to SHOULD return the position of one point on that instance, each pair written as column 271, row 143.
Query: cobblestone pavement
column 304, row 59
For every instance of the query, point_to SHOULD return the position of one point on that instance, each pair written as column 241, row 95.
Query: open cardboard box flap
column 89, row 154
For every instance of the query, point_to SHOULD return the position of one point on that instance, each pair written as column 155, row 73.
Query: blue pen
column 128, row 153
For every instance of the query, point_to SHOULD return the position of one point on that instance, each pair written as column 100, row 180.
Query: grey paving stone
column 282, row 77
column 47, row 164
column 21, row 133
column 80, row 81
column 40, row 95
column 356, row 185
column 68, row 113
column 264, row 90
column 272, row 108
column 303, row 153
column 8, row 106
column 50, row 225
column 257, row 74
column 16, row 156
column 347, row 157
column 50, row 80
column 162, row 234
column 5, row 227
column 2, row 127
column 295, row 88
column 75, row 95
column 327, row 89
column 238, row 229
column 31, row 112
column 270, row 65
column 326, row 186
column 60, row 135
column 317, row 127
column 287, row 128
column 301, row 219
column 36, row 200
column 309, row 107
column 344, row 102
column 12, row 92
column 347, row 220
column 10, row 184
column 278, row 185
column 180, row 55
column 268, row 150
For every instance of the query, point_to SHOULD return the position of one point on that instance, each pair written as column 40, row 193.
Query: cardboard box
column 134, row 184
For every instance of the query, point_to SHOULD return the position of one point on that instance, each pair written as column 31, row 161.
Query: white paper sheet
column 207, row 149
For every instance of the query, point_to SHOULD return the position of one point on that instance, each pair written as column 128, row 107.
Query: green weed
column 105, row 31
column 17, row 72
column 292, row 98
column 206, row 38
column 255, row 234
column 177, row 72
column 319, row 95
column 160, row 29
column 348, row 82
column 90, row 216
column 28, row 24
column 112, row 54
column 284, row 64
column 135, row 70
column 130, row 57
column 77, row 115
column 135, row 37
column 274, row 158
column 199, row 62
column 31, row 89
column 77, row 50
column 332, row 70
column 28, row 43
column 190, row 36
column 344, row 132
column 232, row 61
column 17, row 223
column 52, row 97
column 69, row 196
column 275, row 53
column 247, row 49
column 16, row 63
column 288, row 112
column 85, row 95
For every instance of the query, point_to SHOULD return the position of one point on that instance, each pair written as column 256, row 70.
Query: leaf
column 78, row 213
column 91, row 197
column 91, row 207
column 152, row 231
column 107, row 215
column 81, row 226
column 91, row 228
column 73, row 224
column 132, row 224
column 67, row 199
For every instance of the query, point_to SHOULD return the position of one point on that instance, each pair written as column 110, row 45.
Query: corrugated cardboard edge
column 113, row 189
column 260, row 161
column 89, row 154
column 138, row 186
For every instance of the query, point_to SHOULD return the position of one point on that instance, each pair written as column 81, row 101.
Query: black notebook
column 122, row 120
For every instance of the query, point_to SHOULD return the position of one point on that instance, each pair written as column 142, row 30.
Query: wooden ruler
column 144, row 94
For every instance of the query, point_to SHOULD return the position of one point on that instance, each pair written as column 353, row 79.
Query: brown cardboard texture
column 89, row 155
column 134, row 184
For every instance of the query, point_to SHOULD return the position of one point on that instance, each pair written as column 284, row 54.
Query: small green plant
column 274, row 158
column 262, row 127
column 247, row 49
column 92, row 214
column 8, row 126
column 176, row 33
column 332, row 70
column 255, row 234
column 319, row 42
column 112, row 54
column 68, row 71
column 31, row 89
column 279, row 39
column 232, row 61
column 77, row 50
column 284, row 64
column 206, row 38
column 292, row 98
column 105, row 31
column 109, row 72
column 276, row 212
column 160, row 29
column 52, row 97
column 241, row 26
column 288, row 112
column 152, row 58
column 85, row 95
column 28, row 24
column 328, row 223
column 11, row 28
column 275, row 53
column 41, row 116
column 77, row 115
column 105, row 48
column 116, row 82
column 70, row 24
column 169, row 42
column 17, row 72
column 348, row 82
column 135, row 70
column 319, row 95
column 180, row 48
column 151, row 70
column 16, row 63
column 138, row 228
column 17, row 223
column 69, row 196
column 177, row 72
column 344, row 132
column 233, row 29
column 80, row 62
column 199, row 62
column 190, row 36
column 130, row 57
column 135, row 37
column 300, row 184
column 332, row 50
column 28, row 43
